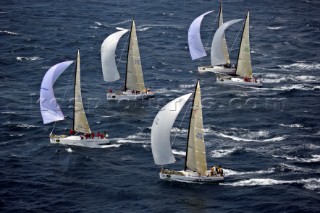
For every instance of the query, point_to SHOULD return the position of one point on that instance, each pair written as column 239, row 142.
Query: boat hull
column 216, row 69
column 128, row 95
column 75, row 140
column 239, row 81
column 190, row 177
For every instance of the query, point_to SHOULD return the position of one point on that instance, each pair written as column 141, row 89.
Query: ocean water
column 267, row 139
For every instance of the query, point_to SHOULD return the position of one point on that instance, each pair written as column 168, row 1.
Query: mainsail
column 224, row 41
column 80, row 122
column 108, row 48
column 217, row 50
column 244, row 67
column 194, row 38
column 196, row 153
column 134, row 75
column 161, row 129
column 50, row 110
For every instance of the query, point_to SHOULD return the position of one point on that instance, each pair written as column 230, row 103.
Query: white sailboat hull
column 128, row 95
column 240, row 81
column 75, row 140
column 189, row 176
column 216, row 69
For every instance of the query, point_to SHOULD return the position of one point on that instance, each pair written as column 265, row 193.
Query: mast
column 74, row 92
column 129, row 43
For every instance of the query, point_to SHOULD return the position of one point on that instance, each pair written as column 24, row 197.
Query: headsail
column 108, row 48
column 161, row 129
column 224, row 41
column 134, row 75
column 196, row 154
column 217, row 49
column 244, row 67
column 80, row 122
column 194, row 39
column 50, row 110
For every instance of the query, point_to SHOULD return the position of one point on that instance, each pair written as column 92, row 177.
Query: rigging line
column 175, row 135
column 64, row 96
column 235, row 40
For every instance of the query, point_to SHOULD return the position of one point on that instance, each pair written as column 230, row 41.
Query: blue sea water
column 267, row 139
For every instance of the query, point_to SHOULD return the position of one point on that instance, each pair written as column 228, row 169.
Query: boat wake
column 251, row 138
column 311, row 183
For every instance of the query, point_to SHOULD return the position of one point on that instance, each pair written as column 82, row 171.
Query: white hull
column 189, row 177
column 75, row 140
column 128, row 95
column 216, row 69
column 239, row 81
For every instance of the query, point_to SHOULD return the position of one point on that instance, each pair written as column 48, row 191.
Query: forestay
column 196, row 159
column 80, row 122
column 161, row 129
column 217, row 50
column 244, row 67
column 108, row 48
column 134, row 77
column 50, row 110
column 194, row 38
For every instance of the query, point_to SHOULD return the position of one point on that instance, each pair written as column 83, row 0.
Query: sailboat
column 243, row 75
column 220, row 60
column 195, row 169
column 134, row 87
column 80, row 134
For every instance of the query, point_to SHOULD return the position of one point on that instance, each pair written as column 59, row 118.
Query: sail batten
column 244, row 67
column 161, row 129
column 50, row 110
column 217, row 49
column 108, row 48
column 194, row 38
column 134, row 75
column 196, row 155
column 80, row 122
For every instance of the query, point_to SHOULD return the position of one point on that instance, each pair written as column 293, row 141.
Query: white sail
column 196, row 159
column 224, row 41
column 80, row 122
column 194, row 38
column 134, row 76
column 217, row 50
column 244, row 67
column 161, row 129
column 50, row 110
column 108, row 48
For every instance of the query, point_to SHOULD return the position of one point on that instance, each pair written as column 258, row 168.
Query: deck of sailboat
column 77, row 140
column 129, row 95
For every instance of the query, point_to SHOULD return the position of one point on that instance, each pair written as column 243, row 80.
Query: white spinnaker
column 50, row 110
column 194, row 38
column 217, row 54
column 161, row 129
column 108, row 48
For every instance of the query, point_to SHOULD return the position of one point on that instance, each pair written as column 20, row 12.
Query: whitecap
column 314, row 158
column 8, row 32
column 176, row 152
column 229, row 172
column 249, row 139
column 219, row 153
column 292, row 125
column 33, row 58
column 300, row 66
column 69, row 150
column 274, row 28
column 110, row 146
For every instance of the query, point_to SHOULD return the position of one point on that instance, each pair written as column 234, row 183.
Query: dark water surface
column 267, row 139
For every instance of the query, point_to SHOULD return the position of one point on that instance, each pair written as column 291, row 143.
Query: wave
column 176, row 152
column 9, row 112
column 292, row 125
column 33, row 58
column 300, row 66
column 274, row 28
column 304, row 87
column 235, row 138
column 312, row 159
column 69, row 150
column 229, row 172
column 110, row 146
column 8, row 32
column 28, row 126
column 311, row 183
column 222, row 152
column 277, row 78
